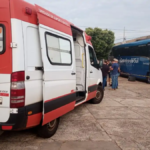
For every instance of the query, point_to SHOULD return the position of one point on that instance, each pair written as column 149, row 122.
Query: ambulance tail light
column 17, row 98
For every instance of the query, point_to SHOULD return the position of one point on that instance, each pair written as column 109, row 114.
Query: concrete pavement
column 120, row 122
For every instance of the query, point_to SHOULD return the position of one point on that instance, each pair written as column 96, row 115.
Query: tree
column 102, row 40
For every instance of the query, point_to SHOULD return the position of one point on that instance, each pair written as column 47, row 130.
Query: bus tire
column 49, row 129
column 131, row 78
column 99, row 96
column 148, row 78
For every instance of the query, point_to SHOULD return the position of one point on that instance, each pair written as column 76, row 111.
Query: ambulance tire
column 49, row 129
column 99, row 96
column 1, row 132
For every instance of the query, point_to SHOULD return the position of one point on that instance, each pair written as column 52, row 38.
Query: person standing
column 118, row 72
column 114, row 74
column 109, row 73
column 105, row 69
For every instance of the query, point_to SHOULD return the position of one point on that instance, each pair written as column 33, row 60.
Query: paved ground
column 120, row 122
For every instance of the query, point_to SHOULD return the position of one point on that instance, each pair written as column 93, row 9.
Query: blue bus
column 134, row 59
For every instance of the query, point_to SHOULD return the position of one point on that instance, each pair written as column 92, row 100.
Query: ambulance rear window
column 2, row 44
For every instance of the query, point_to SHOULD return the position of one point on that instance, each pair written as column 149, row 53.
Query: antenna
column 124, row 36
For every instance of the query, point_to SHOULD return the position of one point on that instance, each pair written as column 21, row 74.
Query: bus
column 134, row 59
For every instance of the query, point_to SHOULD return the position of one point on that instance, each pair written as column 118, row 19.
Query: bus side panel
column 143, row 64
column 130, row 65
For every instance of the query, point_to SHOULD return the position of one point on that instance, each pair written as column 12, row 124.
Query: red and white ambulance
column 47, row 68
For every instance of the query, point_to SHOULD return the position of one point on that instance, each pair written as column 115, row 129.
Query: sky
column 115, row 15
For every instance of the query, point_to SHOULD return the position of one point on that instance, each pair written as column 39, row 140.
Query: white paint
column 5, row 101
column 32, row 46
column 96, row 76
column 58, row 80
column 32, row 59
column 18, row 61
column 5, row 113
column 4, row 78
column 14, row 111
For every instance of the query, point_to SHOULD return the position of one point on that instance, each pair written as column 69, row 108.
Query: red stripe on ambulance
column 4, row 94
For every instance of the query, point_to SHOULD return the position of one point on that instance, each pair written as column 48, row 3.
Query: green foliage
column 102, row 40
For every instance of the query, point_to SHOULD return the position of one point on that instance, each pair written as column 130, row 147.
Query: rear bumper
column 23, row 119
column 16, row 121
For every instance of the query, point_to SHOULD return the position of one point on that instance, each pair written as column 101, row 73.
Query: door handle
column 73, row 73
column 91, row 71
column 28, row 77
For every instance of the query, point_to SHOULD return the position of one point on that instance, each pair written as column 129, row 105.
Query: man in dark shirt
column 105, row 69
column 109, row 72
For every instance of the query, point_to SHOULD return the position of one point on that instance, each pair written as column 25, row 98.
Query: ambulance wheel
column 1, row 132
column 99, row 96
column 49, row 129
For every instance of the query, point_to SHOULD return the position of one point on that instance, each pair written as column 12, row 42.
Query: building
column 134, row 40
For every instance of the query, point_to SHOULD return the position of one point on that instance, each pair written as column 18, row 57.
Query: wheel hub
column 98, row 95
column 51, row 124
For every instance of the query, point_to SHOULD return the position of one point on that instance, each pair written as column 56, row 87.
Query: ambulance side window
column 2, row 39
column 93, row 59
column 58, row 50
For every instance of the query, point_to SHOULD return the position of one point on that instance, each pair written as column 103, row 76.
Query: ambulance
column 47, row 68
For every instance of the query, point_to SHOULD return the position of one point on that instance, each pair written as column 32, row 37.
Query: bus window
column 115, row 52
column 125, row 51
column 142, row 50
column 131, row 51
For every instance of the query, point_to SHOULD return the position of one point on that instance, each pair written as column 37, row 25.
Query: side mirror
column 100, row 63
column 98, row 66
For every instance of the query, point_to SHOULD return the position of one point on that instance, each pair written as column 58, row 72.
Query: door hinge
column 13, row 45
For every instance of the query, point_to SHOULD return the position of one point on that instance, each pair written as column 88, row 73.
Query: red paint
column 53, row 21
column 18, row 11
column 4, row 94
column 34, row 120
column 58, row 97
column 88, row 39
column 28, row 11
column 92, row 85
column 6, row 127
column 58, row 112
column 91, row 95
column 6, row 58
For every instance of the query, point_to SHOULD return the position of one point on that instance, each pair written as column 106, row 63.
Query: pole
column 124, row 38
